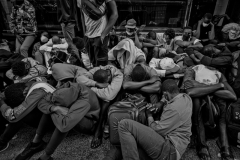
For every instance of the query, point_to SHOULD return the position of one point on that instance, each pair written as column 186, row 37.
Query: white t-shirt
column 205, row 75
column 95, row 28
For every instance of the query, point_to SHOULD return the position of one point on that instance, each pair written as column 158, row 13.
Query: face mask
column 44, row 39
column 129, row 33
column 205, row 24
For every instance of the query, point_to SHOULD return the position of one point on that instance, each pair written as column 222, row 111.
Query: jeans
column 86, row 125
column 32, row 119
column 23, row 48
column 68, row 31
column 98, row 51
column 133, row 134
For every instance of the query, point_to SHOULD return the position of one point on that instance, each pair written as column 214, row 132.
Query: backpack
column 132, row 107
column 233, row 123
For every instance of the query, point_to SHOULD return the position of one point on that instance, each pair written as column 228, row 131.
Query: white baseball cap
column 168, row 64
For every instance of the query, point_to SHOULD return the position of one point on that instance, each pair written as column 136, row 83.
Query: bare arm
column 112, row 19
column 137, row 42
column 184, row 43
column 211, row 34
column 153, row 88
column 203, row 91
column 198, row 31
column 154, row 42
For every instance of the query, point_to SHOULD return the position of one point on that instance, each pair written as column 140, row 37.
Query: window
column 152, row 13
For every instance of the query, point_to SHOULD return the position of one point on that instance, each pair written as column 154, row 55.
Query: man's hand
column 149, row 109
column 222, row 44
column 102, row 38
column 101, row 85
column 200, row 22
column 60, row 110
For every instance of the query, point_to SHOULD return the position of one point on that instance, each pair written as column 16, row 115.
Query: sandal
column 204, row 154
column 226, row 153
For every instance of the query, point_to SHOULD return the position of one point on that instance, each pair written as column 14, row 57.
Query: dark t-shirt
column 204, row 31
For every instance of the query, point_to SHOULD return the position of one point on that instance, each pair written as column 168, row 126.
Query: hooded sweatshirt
column 62, row 71
column 81, row 101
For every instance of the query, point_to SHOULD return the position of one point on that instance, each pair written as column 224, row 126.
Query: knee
column 122, row 125
column 162, row 51
column 155, row 50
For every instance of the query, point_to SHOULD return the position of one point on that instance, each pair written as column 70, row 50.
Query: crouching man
column 201, row 81
column 164, row 139
column 70, row 106
column 20, row 106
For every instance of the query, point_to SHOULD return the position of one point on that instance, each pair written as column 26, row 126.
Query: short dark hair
column 78, row 42
column 100, row 76
column 19, row 69
column 138, row 74
column 187, row 27
column 152, row 34
column 55, row 40
column 208, row 16
column 14, row 94
column 208, row 50
column 170, row 86
column 170, row 32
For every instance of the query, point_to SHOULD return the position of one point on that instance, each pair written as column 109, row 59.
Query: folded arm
column 153, row 88
column 17, row 113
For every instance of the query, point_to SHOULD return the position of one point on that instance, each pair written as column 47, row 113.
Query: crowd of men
column 70, row 83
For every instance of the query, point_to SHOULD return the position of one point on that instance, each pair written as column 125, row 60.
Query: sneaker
column 30, row 150
column 3, row 147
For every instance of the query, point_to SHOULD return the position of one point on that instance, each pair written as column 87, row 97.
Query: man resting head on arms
column 143, row 79
column 164, row 139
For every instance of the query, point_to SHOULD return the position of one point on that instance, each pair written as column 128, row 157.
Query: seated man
column 105, row 81
column 25, row 70
column 231, row 36
column 53, row 45
column 166, row 67
column 186, row 41
column 143, row 79
column 70, row 106
column 131, row 33
column 20, row 106
column 36, row 54
column 166, row 42
column 150, row 45
column 167, row 138
column 125, row 53
column 200, row 82
column 204, row 30
column 217, row 57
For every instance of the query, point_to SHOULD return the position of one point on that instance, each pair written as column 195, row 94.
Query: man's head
column 169, row 34
column 207, row 18
column 21, row 68
column 131, row 26
column 210, row 50
column 102, row 76
column 152, row 35
column 56, row 40
column 15, row 94
column 44, row 37
column 187, row 33
column 139, row 74
column 79, row 43
column 170, row 89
